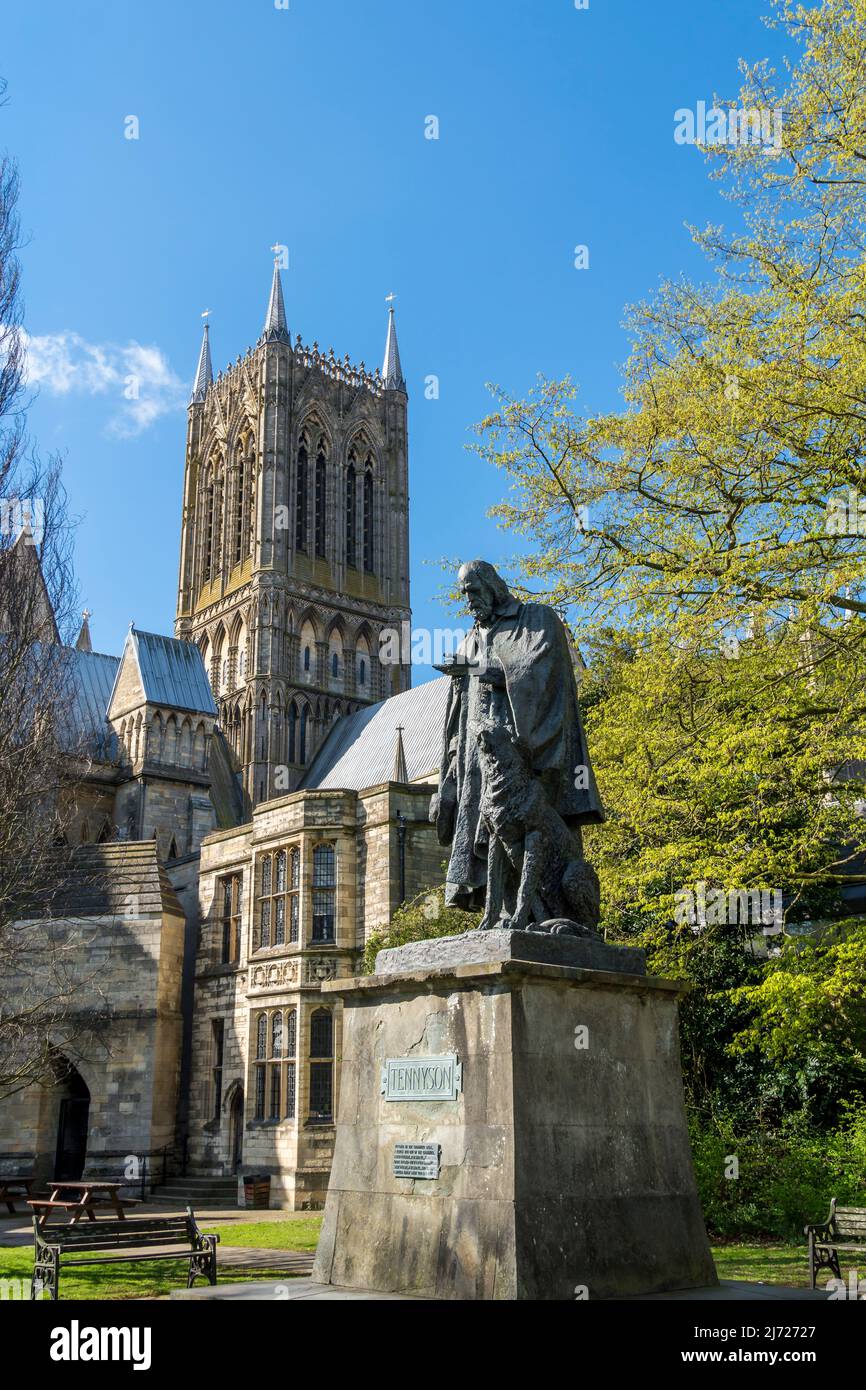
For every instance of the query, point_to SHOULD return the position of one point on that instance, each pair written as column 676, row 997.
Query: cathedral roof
column 358, row 752
column 171, row 672
column 92, row 677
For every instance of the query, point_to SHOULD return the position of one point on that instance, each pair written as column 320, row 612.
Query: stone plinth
column 565, row 1163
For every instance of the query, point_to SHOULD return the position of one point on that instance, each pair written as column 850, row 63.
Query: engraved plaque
column 422, row 1078
column 417, row 1160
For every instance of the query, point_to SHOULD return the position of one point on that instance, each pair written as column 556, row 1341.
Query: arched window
column 306, row 658
column 209, row 522
column 362, row 672
column 321, row 499
column 351, row 505
column 293, row 724
column 279, row 880
column 294, row 892
column 301, row 497
column 276, row 1047
column 302, row 753
column 230, row 917
column 291, row 1048
column 261, row 1056
column 322, row 1068
column 324, row 883
column 240, row 481
column 368, row 520
column 335, row 665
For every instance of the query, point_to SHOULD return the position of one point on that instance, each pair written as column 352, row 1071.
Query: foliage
column 690, row 534
column 707, row 541
column 424, row 917
column 37, row 595
column 785, row 1177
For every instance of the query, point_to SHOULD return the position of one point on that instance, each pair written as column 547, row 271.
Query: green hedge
column 785, row 1178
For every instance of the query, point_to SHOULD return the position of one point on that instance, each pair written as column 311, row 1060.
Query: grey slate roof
column 359, row 750
column 92, row 679
column 172, row 672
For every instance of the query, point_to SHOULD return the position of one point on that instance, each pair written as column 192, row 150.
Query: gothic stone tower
column 295, row 543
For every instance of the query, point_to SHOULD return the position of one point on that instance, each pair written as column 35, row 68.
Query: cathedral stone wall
column 129, row 1061
column 286, row 978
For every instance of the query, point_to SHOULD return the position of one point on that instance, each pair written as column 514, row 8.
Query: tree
column 40, row 966
column 708, row 539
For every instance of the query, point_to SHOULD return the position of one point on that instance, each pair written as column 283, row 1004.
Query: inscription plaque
column 417, row 1160
column 422, row 1078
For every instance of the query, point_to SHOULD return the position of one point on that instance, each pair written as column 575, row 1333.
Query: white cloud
column 137, row 380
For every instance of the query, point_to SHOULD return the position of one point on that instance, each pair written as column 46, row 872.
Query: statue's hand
column 434, row 808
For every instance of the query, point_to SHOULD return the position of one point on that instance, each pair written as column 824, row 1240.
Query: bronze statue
column 515, row 781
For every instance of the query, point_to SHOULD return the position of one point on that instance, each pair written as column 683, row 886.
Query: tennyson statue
column 515, row 780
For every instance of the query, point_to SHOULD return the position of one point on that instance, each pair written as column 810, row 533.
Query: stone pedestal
column 565, row 1169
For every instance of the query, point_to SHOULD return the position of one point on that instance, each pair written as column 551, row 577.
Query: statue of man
column 515, row 781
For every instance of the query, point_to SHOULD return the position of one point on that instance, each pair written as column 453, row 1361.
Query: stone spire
column 83, row 642
column 400, row 773
column 392, row 372
column 275, row 329
column 204, row 372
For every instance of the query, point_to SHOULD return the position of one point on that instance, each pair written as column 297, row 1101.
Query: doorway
column 72, row 1121
column 236, row 1130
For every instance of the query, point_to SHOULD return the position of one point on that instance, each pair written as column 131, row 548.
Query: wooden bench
column 116, row 1242
column 844, row 1229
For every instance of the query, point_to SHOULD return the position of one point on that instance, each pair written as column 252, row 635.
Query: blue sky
column 306, row 126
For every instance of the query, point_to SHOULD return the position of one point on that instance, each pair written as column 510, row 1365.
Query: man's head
column 484, row 590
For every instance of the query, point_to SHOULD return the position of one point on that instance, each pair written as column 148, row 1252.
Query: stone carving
column 320, row 968
column 515, row 782
column 275, row 975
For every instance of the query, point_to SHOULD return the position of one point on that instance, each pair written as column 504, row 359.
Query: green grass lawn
column 298, row 1233
column 770, row 1262
column 151, row 1280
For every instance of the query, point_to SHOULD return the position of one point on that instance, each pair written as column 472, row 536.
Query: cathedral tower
column 295, row 542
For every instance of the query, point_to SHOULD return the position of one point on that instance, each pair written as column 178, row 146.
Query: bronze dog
column 536, row 877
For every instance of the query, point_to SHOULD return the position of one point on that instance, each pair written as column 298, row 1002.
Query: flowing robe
column 535, row 695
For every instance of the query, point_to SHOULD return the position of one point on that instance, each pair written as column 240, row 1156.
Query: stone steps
column 198, row 1191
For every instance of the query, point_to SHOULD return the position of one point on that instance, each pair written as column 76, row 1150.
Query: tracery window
column 368, row 519
column 351, row 513
column 275, row 1087
column 324, row 888
column 321, row 499
column 279, row 892
column 301, row 497
column 229, row 900
column 322, row 1066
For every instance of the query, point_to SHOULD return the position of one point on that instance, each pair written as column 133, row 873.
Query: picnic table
column 14, row 1189
column 87, row 1194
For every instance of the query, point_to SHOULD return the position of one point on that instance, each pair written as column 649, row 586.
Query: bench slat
column 119, row 1259
column 70, row 1239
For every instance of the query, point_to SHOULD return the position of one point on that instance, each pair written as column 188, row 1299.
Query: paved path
column 250, row 1257
column 729, row 1290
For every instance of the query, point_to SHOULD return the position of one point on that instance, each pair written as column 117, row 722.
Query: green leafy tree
column 707, row 541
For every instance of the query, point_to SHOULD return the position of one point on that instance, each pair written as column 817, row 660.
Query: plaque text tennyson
column 422, row 1078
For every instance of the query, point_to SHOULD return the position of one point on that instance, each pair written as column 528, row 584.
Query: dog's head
column 497, row 743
